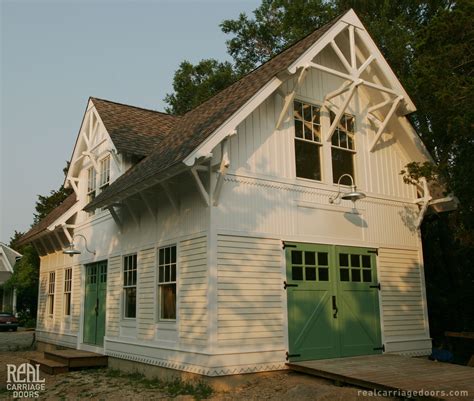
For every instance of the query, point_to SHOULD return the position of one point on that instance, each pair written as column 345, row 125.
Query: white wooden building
column 8, row 258
column 217, row 242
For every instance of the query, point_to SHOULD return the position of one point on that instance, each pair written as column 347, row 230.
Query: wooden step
column 49, row 366
column 76, row 358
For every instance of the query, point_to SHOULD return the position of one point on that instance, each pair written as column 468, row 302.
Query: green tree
column 429, row 45
column 194, row 84
column 46, row 203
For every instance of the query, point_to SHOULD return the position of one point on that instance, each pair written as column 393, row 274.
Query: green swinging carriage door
column 333, row 305
column 95, row 303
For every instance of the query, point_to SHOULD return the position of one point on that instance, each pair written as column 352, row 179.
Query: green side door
column 95, row 303
column 333, row 306
column 358, row 301
column 310, row 285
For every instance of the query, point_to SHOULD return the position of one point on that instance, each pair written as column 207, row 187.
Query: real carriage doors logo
column 24, row 380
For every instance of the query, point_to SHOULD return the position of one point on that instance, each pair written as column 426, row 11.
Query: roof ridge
column 286, row 48
column 135, row 107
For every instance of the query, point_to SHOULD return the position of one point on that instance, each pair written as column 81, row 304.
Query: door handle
column 334, row 307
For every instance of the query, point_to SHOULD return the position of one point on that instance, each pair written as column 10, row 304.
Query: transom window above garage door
column 309, row 266
column 355, row 268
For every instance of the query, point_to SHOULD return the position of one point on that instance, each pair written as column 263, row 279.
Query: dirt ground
column 104, row 384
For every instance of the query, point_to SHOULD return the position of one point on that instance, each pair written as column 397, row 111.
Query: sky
column 55, row 54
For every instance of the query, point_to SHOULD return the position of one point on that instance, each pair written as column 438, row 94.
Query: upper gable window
column 91, row 184
column 343, row 149
column 307, row 140
column 104, row 175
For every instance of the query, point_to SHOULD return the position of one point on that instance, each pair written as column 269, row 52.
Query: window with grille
column 104, row 175
column 130, row 286
column 67, row 291
column 343, row 149
column 51, row 285
column 167, row 283
column 91, row 185
column 307, row 140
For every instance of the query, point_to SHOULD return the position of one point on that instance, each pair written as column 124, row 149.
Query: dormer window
column 343, row 149
column 104, row 175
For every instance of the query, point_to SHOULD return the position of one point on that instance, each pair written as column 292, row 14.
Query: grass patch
column 198, row 389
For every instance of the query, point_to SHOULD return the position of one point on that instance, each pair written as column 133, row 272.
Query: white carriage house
column 232, row 239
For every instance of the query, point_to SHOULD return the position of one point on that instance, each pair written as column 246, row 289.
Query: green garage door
column 333, row 308
column 94, row 303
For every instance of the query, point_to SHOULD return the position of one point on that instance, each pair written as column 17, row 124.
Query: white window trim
column 67, row 292
column 166, row 324
column 124, row 318
column 322, row 116
column 51, row 285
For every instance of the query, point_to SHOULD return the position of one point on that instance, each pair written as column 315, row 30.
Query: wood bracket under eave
column 383, row 125
column 116, row 217
column 424, row 202
column 290, row 96
column 148, row 204
column 221, row 173
column 202, row 190
column 170, row 195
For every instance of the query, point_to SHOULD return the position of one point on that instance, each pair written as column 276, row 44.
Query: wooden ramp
column 395, row 372
column 60, row 361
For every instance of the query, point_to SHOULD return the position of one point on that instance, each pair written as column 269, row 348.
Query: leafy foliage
column 194, row 84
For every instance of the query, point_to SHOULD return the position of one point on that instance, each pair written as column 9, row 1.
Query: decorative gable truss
column 92, row 144
column 362, row 68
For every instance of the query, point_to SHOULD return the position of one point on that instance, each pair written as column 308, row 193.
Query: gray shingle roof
column 48, row 219
column 132, row 129
column 198, row 124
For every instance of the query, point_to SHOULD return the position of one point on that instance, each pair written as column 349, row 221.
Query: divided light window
column 343, row 149
column 130, row 286
column 167, row 283
column 307, row 140
column 91, row 185
column 67, row 291
column 51, row 283
column 104, row 176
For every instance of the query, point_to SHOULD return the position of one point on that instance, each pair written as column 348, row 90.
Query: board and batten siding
column 146, row 294
column 402, row 297
column 249, row 292
column 193, row 288
column 114, row 289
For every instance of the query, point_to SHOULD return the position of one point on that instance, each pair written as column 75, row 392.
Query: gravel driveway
column 104, row 384
column 15, row 340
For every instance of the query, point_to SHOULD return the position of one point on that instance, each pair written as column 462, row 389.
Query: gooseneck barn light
column 353, row 195
column 71, row 251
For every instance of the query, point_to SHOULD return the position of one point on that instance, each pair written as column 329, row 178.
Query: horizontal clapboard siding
column 42, row 300
column 114, row 288
column 76, row 298
column 402, row 294
column 146, row 294
column 193, row 287
column 249, row 291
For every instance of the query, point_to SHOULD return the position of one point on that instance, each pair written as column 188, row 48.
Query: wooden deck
column 394, row 372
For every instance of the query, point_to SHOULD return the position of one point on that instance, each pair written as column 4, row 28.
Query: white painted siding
column 193, row 287
column 259, row 149
column 76, row 298
column 249, row 289
column 146, row 304
column 402, row 295
column 114, row 289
